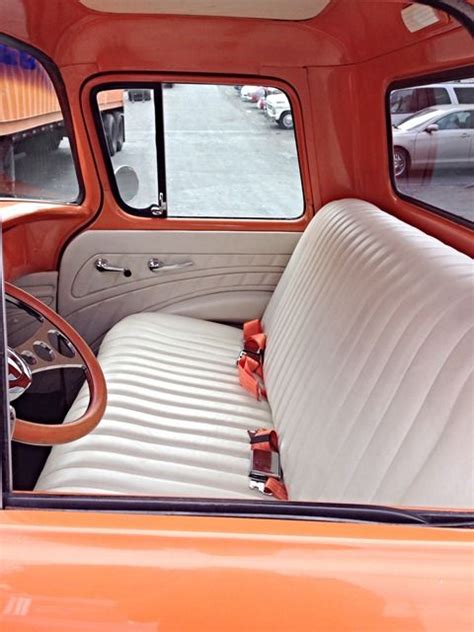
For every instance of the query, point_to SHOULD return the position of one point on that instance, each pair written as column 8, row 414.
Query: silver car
column 442, row 135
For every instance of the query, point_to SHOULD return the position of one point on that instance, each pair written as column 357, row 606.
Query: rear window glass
column 433, row 146
column 36, row 160
column 205, row 150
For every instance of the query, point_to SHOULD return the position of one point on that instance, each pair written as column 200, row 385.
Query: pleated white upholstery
column 176, row 420
column 367, row 369
column 368, row 366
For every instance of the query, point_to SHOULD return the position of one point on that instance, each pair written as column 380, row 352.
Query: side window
column 401, row 101
column 206, row 150
column 440, row 96
column 465, row 94
column 469, row 123
column 36, row 161
column 428, row 164
column 456, row 120
column 424, row 97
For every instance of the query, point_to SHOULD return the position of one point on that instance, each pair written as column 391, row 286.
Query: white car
column 251, row 93
column 278, row 109
column 408, row 101
column 441, row 136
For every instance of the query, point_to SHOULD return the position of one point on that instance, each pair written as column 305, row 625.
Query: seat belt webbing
column 250, row 361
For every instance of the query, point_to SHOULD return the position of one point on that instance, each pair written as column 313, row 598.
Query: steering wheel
column 55, row 345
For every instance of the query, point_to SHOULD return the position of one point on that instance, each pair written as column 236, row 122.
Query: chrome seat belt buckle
column 242, row 354
column 260, row 486
column 255, row 355
column 264, row 464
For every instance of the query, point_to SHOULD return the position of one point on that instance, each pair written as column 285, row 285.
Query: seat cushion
column 368, row 365
column 176, row 420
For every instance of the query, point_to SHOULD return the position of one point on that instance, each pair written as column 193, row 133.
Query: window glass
column 465, row 94
column 35, row 153
column 456, row 120
column 440, row 96
column 400, row 101
column 128, row 119
column 433, row 148
column 424, row 97
column 216, row 151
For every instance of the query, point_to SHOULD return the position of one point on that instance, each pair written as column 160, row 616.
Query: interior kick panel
column 221, row 276
column 42, row 285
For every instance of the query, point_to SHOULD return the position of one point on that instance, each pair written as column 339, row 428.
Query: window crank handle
column 156, row 265
column 102, row 265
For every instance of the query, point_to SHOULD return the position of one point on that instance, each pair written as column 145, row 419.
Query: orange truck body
column 89, row 571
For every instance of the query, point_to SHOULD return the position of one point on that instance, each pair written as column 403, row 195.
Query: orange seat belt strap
column 263, row 439
column 254, row 338
column 255, row 344
column 252, row 327
column 276, row 488
column 249, row 372
column 250, row 360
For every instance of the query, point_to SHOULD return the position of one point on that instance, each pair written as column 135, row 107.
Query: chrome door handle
column 155, row 265
column 102, row 265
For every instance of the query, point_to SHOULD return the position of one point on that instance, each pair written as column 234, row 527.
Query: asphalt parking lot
column 224, row 158
column 448, row 189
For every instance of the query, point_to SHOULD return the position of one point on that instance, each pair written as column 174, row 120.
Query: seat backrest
column 368, row 363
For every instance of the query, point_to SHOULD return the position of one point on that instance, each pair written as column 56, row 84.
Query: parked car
column 442, row 135
column 407, row 101
column 278, row 109
column 252, row 93
column 262, row 102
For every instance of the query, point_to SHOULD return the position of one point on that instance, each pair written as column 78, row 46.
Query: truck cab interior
column 253, row 296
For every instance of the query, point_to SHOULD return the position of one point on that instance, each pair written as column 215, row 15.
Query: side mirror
column 127, row 182
column 432, row 128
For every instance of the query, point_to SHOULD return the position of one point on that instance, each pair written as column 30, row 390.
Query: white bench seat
column 368, row 370
column 176, row 420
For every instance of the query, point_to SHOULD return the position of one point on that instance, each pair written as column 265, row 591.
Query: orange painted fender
column 86, row 571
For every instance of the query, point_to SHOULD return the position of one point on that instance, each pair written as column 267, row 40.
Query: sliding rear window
column 204, row 150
